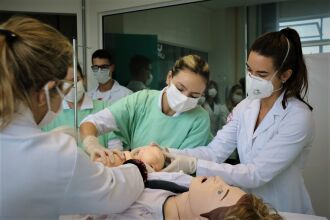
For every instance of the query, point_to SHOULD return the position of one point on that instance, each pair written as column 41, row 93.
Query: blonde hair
column 195, row 64
column 31, row 54
column 249, row 207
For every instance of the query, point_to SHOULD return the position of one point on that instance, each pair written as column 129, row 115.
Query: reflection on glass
column 219, row 31
column 326, row 49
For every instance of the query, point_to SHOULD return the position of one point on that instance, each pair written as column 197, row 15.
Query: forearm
column 87, row 129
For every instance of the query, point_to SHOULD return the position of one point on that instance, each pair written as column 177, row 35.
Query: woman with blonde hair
column 44, row 174
column 170, row 117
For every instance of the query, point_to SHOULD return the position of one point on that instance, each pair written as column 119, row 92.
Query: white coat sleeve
column 95, row 189
column 103, row 121
column 222, row 145
column 295, row 133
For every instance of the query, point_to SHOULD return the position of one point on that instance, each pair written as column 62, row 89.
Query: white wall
column 185, row 25
column 317, row 170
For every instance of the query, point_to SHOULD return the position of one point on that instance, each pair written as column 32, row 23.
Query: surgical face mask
column 179, row 102
column 80, row 92
column 149, row 80
column 50, row 115
column 102, row 75
column 212, row 92
column 237, row 98
column 258, row 88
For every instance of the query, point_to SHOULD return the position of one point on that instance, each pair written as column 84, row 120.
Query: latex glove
column 180, row 162
column 97, row 152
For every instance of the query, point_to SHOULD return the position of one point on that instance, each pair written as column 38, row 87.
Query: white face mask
column 179, row 102
column 212, row 92
column 258, row 88
column 149, row 80
column 237, row 98
column 102, row 75
column 50, row 115
column 80, row 92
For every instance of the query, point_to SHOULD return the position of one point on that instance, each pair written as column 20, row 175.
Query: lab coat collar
column 251, row 115
column 86, row 104
column 115, row 87
column 160, row 102
column 23, row 118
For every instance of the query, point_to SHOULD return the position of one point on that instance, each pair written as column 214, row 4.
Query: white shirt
column 272, row 157
column 44, row 174
column 115, row 93
column 149, row 206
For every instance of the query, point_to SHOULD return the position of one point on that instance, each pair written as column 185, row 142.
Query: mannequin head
column 212, row 198
column 150, row 154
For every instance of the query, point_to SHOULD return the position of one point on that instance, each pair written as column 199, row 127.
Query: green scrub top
column 140, row 121
column 66, row 117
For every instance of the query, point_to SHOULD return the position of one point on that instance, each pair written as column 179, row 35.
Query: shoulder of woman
column 295, row 106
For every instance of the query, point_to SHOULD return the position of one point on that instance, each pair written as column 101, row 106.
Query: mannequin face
column 208, row 193
column 152, row 156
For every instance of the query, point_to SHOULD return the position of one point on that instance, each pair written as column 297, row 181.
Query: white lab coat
column 272, row 157
column 44, row 174
column 115, row 93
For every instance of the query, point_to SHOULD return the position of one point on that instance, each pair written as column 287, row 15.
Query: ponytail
column 32, row 54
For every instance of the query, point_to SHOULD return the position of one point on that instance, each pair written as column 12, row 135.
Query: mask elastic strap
column 60, row 92
column 47, row 96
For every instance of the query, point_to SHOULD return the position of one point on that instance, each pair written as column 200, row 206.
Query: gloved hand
column 97, row 152
column 180, row 162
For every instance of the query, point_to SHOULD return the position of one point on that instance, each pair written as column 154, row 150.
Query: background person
column 272, row 129
column 45, row 174
column 234, row 97
column 86, row 106
column 103, row 69
column 170, row 117
column 140, row 67
column 212, row 106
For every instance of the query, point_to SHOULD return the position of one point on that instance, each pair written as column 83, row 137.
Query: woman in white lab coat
column 272, row 128
column 44, row 175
